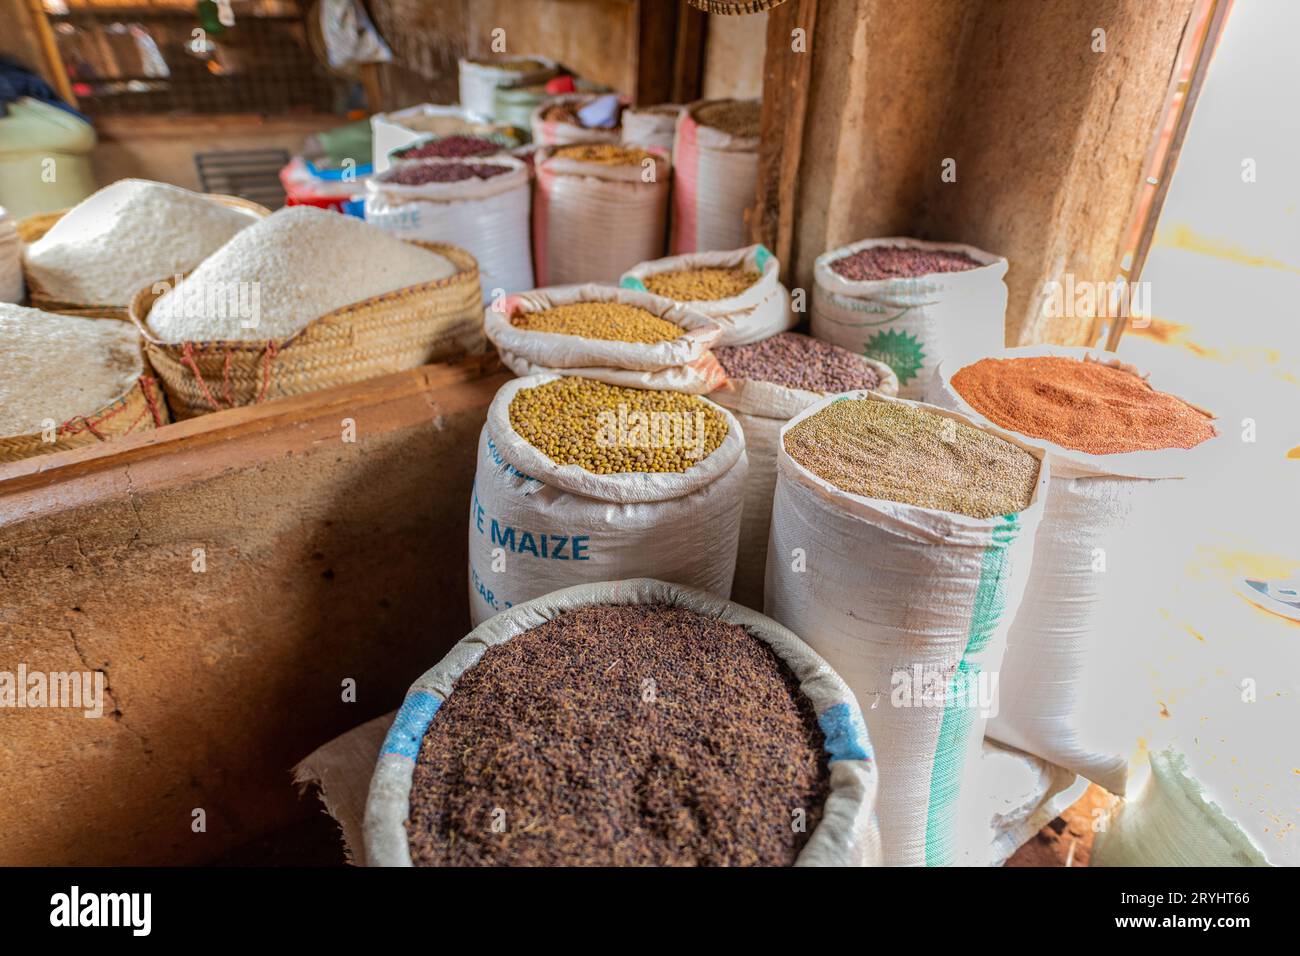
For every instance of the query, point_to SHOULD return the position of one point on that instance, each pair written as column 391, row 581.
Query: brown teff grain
column 893, row 262
column 620, row 735
column 798, row 361
column 736, row 117
column 701, row 285
column 1084, row 405
column 893, row 451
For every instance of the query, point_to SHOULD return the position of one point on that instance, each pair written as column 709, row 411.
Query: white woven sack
column 762, row 409
column 715, row 182
column 490, row 218
column 390, row 131
column 682, row 365
column 759, row 312
column 556, row 133
column 536, row 526
column 904, row 602
column 479, row 81
column 846, row 835
column 651, row 126
column 593, row 222
column 1057, row 702
column 11, row 261
column 913, row 324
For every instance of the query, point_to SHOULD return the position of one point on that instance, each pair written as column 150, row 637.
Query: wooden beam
column 787, row 71
column 688, row 61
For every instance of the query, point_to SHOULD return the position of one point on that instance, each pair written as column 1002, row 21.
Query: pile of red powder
column 1079, row 404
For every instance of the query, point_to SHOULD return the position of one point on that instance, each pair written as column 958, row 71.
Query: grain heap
column 734, row 117
column 608, row 321
column 1085, row 405
column 701, row 285
column 897, row 452
column 457, row 146
column 58, row 366
column 603, row 154
column 608, row 429
column 302, row 262
column 798, row 361
column 554, row 725
column 126, row 236
column 897, row 262
column 417, row 174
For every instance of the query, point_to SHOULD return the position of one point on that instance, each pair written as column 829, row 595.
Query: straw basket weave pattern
column 432, row 322
column 34, row 227
column 140, row 409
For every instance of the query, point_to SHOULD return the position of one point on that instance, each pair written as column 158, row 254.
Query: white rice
column 274, row 278
column 57, row 367
column 108, row 247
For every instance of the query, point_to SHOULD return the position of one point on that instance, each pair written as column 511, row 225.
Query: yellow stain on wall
column 1184, row 237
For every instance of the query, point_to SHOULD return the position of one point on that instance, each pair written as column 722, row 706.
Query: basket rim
column 138, row 312
column 146, row 379
column 49, row 304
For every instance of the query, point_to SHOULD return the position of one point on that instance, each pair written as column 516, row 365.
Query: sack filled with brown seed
column 901, row 542
column 768, row 383
column 715, row 162
column 740, row 289
column 581, row 481
column 652, row 125
column 630, row 722
column 618, row 336
column 598, row 210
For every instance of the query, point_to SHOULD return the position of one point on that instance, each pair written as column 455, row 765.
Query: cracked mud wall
column 324, row 561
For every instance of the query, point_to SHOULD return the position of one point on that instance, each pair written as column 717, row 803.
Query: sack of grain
column 652, row 126
column 768, row 383
column 558, row 121
column 483, row 204
column 1054, row 703
column 668, row 503
column 391, row 131
column 716, row 743
column 95, row 257
column 910, row 304
column 598, row 210
column 467, row 147
column 11, row 260
column 739, row 289
column 715, row 157
column 906, row 584
column 303, row 300
column 70, row 381
column 479, row 79
column 613, row 335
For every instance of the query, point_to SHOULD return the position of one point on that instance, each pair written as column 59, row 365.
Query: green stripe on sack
column 954, row 732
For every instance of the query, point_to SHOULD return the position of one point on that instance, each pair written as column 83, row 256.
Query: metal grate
column 249, row 174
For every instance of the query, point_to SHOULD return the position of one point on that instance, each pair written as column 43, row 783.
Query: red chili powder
column 1084, row 405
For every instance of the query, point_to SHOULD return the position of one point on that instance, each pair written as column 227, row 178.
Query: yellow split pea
column 701, row 285
column 609, row 321
column 608, row 429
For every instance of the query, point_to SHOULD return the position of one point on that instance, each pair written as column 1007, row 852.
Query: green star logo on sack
column 900, row 351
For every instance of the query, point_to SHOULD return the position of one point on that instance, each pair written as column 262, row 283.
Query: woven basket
column 141, row 408
column 33, row 227
column 438, row 321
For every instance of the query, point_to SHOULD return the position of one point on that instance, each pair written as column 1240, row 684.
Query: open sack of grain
column 579, row 481
column 1112, row 439
column 598, row 210
column 768, row 383
column 92, row 259
column 70, row 381
column 578, row 118
column 482, row 204
column 481, row 76
column 303, row 300
column 715, row 159
column 739, row 289
column 911, row 304
column 900, row 546
column 529, row 744
column 392, row 131
column 652, row 126
column 613, row 335
column 462, row 146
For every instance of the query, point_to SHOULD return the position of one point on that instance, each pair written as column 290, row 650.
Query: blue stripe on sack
column 844, row 735
column 409, row 725
column 632, row 282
